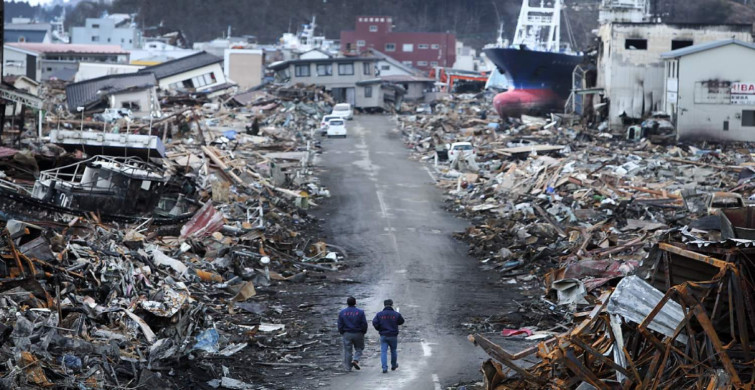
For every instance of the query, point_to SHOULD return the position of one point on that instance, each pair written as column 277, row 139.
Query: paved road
column 388, row 212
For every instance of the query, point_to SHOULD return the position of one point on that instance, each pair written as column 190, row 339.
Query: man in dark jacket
column 386, row 323
column 352, row 325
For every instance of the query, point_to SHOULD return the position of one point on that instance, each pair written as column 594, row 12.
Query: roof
column 85, row 93
column 27, row 26
column 68, row 48
column 284, row 64
column 407, row 79
column 27, row 35
column 394, row 62
column 705, row 46
column 183, row 64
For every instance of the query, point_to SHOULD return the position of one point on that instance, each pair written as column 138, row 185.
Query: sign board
column 671, row 97
column 743, row 93
column 712, row 92
column 21, row 97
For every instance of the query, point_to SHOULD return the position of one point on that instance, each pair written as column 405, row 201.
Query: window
column 150, row 46
column 408, row 47
column 434, row 63
column 435, row 46
column 390, row 47
column 368, row 92
column 423, row 46
column 408, row 63
column 361, row 43
column 131, row 105
column 22, row 39
column 301, row 70
column 95, row 38
column 636, row 44
column 324, row 69
column 367, row 68
column 385, row 67
column 373, row 28
column 346, row 69
column 200, row 81
column 421, row 63
column 95, row 26
column 748, row 118
column 680, row 43
column 108, row 39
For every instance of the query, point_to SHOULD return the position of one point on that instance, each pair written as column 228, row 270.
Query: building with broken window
column 709, row 92
column 201, row 72
column 133, row 91
column 43, row 61
column 630, row 68
column 343, row 77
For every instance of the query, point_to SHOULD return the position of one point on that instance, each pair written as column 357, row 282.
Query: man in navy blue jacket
column 386, row 323
column 352, row 325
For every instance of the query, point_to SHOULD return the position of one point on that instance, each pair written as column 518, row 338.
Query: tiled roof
column 68, row 48
column 183, row 64
column 84, row 93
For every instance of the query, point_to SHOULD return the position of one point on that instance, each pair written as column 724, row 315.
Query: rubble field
column 634, row 258
column 181, row 257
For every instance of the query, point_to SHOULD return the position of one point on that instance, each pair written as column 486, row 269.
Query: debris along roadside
column 166, row 265
column 581, row 222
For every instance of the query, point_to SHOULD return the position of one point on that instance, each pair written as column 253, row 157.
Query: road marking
column 427, row 169
column 383, row 208
column 427, row 350
column 436, row 382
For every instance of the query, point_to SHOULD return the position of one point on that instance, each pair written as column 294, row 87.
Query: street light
column 81, row 110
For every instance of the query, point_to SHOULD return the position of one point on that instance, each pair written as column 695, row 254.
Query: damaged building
column 708, row 93
column 630, row 68
column 133, row 91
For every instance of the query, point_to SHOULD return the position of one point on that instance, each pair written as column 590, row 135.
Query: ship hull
column 541, row 81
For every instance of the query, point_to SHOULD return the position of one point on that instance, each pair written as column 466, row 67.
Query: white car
column 343, row 110
column 324, row 122
column 460, row 148
column 336, row 128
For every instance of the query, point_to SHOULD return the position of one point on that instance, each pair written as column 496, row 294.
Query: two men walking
column 352, row 324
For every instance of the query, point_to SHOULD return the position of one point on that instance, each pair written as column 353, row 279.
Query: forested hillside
column 475, row 22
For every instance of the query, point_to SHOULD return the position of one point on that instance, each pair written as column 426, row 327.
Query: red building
column 419, row 49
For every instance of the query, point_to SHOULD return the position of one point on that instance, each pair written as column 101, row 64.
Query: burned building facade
column 630, row 68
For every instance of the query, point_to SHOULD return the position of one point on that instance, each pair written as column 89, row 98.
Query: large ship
column 538, row 68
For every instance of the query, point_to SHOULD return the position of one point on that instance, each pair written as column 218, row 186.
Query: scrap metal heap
column 130, row 297
column 638, row 268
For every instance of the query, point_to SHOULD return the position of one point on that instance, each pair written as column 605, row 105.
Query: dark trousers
column 351, row 341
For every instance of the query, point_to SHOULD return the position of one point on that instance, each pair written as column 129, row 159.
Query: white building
column 201, row 72
column 93, row 70
column 244, row 66
column 116, row 29
column 155, row 52
column 630, row 68
column 710, row 91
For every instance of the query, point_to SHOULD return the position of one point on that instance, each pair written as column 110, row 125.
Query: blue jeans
column 355, row 340
column 385, row 343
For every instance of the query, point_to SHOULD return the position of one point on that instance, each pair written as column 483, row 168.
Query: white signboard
column 742, row 93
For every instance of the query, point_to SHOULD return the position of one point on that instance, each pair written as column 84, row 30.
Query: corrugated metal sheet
column 84, row 93
column 181, row 65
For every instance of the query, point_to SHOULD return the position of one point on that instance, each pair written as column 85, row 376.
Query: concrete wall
column 700, row 121
column 16, row 62
column 376, row 100
column 92, row 70
column 107, row 33
column 244, row 67
column 633, row 79
column 142, row 98
column 214, row 68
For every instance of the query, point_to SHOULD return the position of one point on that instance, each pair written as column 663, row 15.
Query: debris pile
column 579, row 214
column 180, row 271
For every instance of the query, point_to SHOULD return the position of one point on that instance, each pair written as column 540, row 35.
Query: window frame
column 342, row 66
column 368, row 91
column 299, row 70
column 373, row 28
column 393, row 48
column 435, row 46
column 423, row 46
column 366, row 68
column 409, row 46
column 328, row 70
